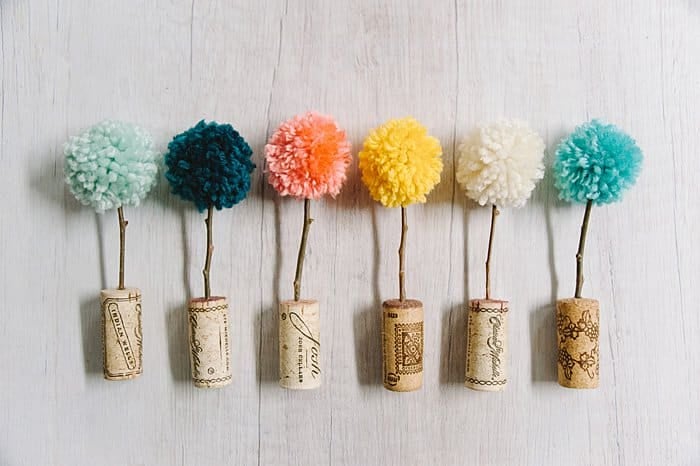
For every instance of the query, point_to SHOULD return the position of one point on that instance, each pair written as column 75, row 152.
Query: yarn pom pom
column 501, row 163
column 596, row 162
column 209, row 165
column 400, row 162
column 307, row 157
column 110, row 165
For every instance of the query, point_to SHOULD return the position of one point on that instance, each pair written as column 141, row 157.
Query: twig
column 122, row 244
column 210, row 250
column 302, row 249
column 402, row 256
column 581, row 247
column 494, row 214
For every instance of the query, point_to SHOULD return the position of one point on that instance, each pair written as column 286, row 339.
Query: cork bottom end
column 571, row 386
column 117, row 378
column 218, row 384
column 485, row 388
column 295, row 386
column 403, row 389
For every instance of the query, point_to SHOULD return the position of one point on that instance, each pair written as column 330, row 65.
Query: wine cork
column 121, row 333
column 209, row 348
column 578, row 323
column 300, row 344
column 402, row 335
column 487, row 345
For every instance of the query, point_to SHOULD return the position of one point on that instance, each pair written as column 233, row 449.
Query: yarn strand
column 494, row 214
column 210, row 250
column 402, row 256
column 122, row 244
column 302, row 248
column 581, row 247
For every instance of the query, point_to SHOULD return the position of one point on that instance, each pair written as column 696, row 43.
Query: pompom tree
column 594, row 165
column 499, row 165
column 209, row 165
column 108, row 166
column 400, row 164
column 307, row 158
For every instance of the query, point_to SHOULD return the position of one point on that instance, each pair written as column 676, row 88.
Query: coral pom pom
column 110, row 165
column 307, row 157
column 210, row 164
column 596, row 162
column 400, row 162
column 501, row 163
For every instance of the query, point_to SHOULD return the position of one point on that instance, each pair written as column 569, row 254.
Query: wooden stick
column 581, row 247
column 494, row 214
column 210, row 250
column 122, row 245
column 402, row 256
column 302, row 248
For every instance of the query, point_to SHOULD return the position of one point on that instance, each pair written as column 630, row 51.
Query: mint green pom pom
column 597, row 162
column 110, row 165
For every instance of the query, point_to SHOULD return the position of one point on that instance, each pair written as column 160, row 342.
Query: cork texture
column 209, row 346
column 578, row 323
column 300, row 344
column 121, row 333
column 487, row 345
column 402, row 345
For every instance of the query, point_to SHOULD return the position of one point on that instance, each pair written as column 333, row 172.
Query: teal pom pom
column 110, row 165
column 210, row 165
column 597, row 162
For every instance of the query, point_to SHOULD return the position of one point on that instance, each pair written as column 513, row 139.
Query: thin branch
column 581, row 247
column 402, row 256
column 302, row 248
column 494, row 214
column 122, row 245
column 210, row 250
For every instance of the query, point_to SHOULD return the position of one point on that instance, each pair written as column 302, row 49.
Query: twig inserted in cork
column 581, row 247
column 302, row 248
column 122, row 244
column 402, row 255
column 210, row 250
column 494, row 214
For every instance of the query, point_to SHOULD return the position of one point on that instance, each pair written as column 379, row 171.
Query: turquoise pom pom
column 210, row 165
column 596, row 162
column 110, row 165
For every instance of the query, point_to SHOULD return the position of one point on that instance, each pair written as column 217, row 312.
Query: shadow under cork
column 91, row 322
column 454, row 322
column 367, row 324
column 176, row 316
column 542, row 321
column 267, row 340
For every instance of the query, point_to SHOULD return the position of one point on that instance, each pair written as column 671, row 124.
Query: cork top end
column 579, row 301
column 210, row 299
column 405, row 304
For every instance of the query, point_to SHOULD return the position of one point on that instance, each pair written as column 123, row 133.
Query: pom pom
column 209, row 164
column 110, row 165
column 596, row 162
column 307, row 157
column 501, row 163
column 400, row 162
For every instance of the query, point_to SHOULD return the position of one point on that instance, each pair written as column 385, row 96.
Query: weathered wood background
column 167, row 64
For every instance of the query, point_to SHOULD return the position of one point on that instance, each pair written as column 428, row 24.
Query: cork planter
column 300, row 344
column 402, row 344
column 121, row 332
column 578, row 323
column 487, row 345
column 209, row 342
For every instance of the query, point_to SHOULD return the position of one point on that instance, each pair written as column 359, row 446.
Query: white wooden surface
column 166, row 64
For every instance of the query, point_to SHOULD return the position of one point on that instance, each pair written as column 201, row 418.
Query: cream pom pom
column 501, row 163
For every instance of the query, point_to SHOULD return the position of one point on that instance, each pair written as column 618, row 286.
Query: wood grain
column 167, row 64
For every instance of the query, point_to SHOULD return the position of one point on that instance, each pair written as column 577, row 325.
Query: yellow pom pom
column 400, row 162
